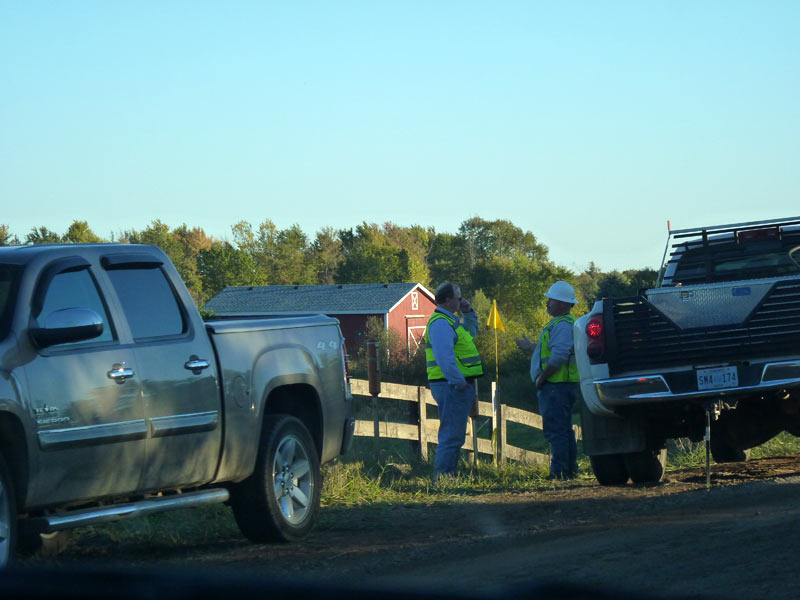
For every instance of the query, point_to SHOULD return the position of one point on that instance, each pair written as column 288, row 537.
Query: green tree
column 326, row 255
column 594, row 285
column 627, row 283
column 416, row 241
column 80, row 233
column 614, row 285
column 42, row 235
column 369, row 257
column 222, row 265
column 483, row 252
column 189, row 244
column 499, row 238
column 586, row 284
column 260, row 245
column 448, row 261
column 293, row 258
column 518, row 283
column 641, row 279
column 6, row 237
column 283, row 256
column 507, row 352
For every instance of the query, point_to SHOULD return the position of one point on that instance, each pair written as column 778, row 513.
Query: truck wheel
column 8, row 516
column 646, row 466
column 723, row 452
column 279, row 501
column 609, row 469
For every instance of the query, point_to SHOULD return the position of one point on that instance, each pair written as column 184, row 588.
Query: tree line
column 491, row 260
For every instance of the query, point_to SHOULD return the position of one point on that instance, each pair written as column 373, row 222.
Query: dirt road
column 675, row 539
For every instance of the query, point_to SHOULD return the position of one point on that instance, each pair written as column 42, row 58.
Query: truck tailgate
column 701, row 325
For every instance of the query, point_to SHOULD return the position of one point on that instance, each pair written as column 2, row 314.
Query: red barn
column 403, row 307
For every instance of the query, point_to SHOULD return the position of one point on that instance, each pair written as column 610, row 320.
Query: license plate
column 719, row 377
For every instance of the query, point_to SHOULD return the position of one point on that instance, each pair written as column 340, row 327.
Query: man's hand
column 464, row 306
column 542, row 377
column 525, row 344
column 473, row 412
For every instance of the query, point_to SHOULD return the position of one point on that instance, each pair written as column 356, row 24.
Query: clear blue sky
column 588, row 123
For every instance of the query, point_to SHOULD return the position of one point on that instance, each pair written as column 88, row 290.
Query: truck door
column 179, row 378
column 84, row 398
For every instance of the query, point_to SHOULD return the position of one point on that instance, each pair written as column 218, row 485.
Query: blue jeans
column 555, row 404
column 454, row 409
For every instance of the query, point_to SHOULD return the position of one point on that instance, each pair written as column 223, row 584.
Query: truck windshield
column 9, row 279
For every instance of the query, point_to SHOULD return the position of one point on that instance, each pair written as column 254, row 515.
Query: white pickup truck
column 719, row 335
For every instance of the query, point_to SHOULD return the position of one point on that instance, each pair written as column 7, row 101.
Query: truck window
column 149, row 302
column 726, row 261
column 77, row 289
column 9, row 277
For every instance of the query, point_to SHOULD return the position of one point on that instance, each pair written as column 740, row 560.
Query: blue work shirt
column 443, row 338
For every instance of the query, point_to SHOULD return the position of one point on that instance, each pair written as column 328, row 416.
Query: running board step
column 117, row 512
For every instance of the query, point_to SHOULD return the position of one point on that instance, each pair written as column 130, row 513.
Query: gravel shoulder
column 670, row 540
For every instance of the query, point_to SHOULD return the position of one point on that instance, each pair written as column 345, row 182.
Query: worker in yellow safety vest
column 453, row 362
column 554, row 373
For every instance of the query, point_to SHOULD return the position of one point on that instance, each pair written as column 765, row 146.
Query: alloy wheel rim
column 292, row 480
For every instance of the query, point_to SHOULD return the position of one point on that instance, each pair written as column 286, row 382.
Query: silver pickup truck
column 719, row 335
column 118, row 400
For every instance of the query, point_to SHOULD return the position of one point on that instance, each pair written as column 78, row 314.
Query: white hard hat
column 563, row 291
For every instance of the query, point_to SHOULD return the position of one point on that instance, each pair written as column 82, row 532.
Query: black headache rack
column 641, row 338
column 752, row 250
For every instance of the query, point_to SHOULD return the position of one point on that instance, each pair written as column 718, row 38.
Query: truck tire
column 280, row 500
column 646, row 466
column 723, row 452
column 609, row 469
column 8, row 516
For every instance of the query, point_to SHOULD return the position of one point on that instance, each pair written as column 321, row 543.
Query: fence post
column 472, row 417
column 467, row 438
column 495, row 432
column 373, row 375
column 422, row 404
column 499, row 426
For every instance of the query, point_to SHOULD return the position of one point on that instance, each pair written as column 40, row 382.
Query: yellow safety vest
column 467, row 356
column 568, row 372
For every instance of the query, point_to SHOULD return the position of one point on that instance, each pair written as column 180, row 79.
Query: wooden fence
column 425, row 431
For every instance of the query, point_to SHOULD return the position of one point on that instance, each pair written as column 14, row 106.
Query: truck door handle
column 119, row 373
column 195, row 364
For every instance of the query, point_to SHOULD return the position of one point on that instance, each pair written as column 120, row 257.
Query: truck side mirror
column 67, row 325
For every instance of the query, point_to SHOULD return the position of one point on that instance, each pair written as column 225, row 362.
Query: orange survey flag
column 494, row 318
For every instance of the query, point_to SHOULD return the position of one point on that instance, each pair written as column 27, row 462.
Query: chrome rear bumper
column 624, row 391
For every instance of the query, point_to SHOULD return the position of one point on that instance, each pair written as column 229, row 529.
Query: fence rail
column 426, row 429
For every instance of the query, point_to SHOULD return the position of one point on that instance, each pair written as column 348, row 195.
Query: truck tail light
column 596, row 348
column 753, row 235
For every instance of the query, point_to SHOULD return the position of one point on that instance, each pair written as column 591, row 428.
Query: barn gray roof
column 355, row 298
